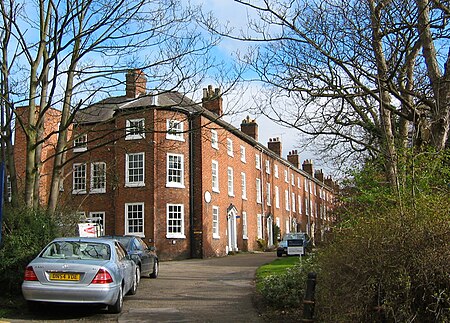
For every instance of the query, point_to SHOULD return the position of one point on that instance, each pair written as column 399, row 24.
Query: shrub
column 389, row 259
column 25, row 233
column 286, row 290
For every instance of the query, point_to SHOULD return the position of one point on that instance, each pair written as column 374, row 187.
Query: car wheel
column 155, row 272
column 118, row 305
column 279, row 254
column 135, row 284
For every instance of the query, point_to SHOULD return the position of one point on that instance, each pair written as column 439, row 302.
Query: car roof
column 85, row 239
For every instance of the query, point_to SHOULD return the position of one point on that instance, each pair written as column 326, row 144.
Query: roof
column 105, row 110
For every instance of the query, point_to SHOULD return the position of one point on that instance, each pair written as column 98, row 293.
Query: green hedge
column 25, row 232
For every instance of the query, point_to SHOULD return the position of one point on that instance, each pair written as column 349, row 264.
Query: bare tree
column 77, row 51
column 364, row 78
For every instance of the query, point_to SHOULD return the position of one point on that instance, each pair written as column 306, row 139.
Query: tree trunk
column 388, row 144
column 440, row 83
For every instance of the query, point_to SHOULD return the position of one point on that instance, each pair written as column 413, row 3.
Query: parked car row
column 89, row 270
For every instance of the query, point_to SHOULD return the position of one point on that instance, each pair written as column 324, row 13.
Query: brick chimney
column 250, row 128
column 319, row 175
column 308, row 166
column 136, row 83
column 294, row 158
column 274, row 144
column 329, row 182
column 212, row 100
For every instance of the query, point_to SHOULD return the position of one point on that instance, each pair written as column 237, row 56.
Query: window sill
column 175, row 236
column 79, row 192
column 79, row 149
column 134, row 185
column 93, row 191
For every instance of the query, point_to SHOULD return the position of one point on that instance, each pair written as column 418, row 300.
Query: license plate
column 65, row 276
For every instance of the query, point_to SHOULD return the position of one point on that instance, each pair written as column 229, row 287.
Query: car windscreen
column 77, row 250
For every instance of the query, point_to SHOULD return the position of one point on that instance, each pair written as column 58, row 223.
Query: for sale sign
column 89, row 229
column 295, row 247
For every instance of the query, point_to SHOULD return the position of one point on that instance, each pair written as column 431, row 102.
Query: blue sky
column 236, row 16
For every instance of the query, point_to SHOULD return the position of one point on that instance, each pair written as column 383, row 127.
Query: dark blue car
column 145, row 257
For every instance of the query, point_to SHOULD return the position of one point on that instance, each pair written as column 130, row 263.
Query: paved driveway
column 195, row 290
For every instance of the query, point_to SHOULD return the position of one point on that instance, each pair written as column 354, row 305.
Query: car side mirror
column 152, row 248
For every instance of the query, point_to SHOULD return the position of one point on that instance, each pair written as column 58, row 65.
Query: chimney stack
column 294, row 158
column 212, row 100
column 136, row 84
column 308, row 166
column 274, row 144
column 250, row 128
column 329, row 182
column 319, row 175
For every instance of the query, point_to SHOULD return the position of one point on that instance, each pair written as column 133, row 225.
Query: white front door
column 231, row 232
column 270, row 231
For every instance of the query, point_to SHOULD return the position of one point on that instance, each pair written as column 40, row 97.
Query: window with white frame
column 175, row 129
column 79, row 179
column 293, row 202
column 268, row 166
column 292, row 180
column 135, row 129
column 268, row 194
column 286, row 178
column 258, row 161
column 134, row 219
column 99, row 218
column 80, row 143
column 175, row 170
column 275, row 170
column 230, row 147
column 134, row 170
column 277, row 197
column 259, row 225
column 315, row 189
column 215, row 222
column 230, row 181
column 8, row 188
column 98, row 177
column 215, row 176
column 306, row 206
column 244, row 225
column 258, row 191
column 288, row 226
column 299, row 182
column 286, row 200
column 81, row 215
column 244, row 186
column 214, row 139
column 175, row 221
column 243, row 154
column 306, row 185
column 299, row 204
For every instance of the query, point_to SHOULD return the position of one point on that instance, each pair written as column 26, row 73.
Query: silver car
column 81, row 270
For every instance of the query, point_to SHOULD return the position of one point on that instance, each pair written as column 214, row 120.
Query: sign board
column 89, row 229
column 295, row 247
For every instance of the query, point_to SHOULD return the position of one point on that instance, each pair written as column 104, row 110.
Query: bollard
column 308, row 302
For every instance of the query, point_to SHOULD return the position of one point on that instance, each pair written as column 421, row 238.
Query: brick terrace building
column 173, row 172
